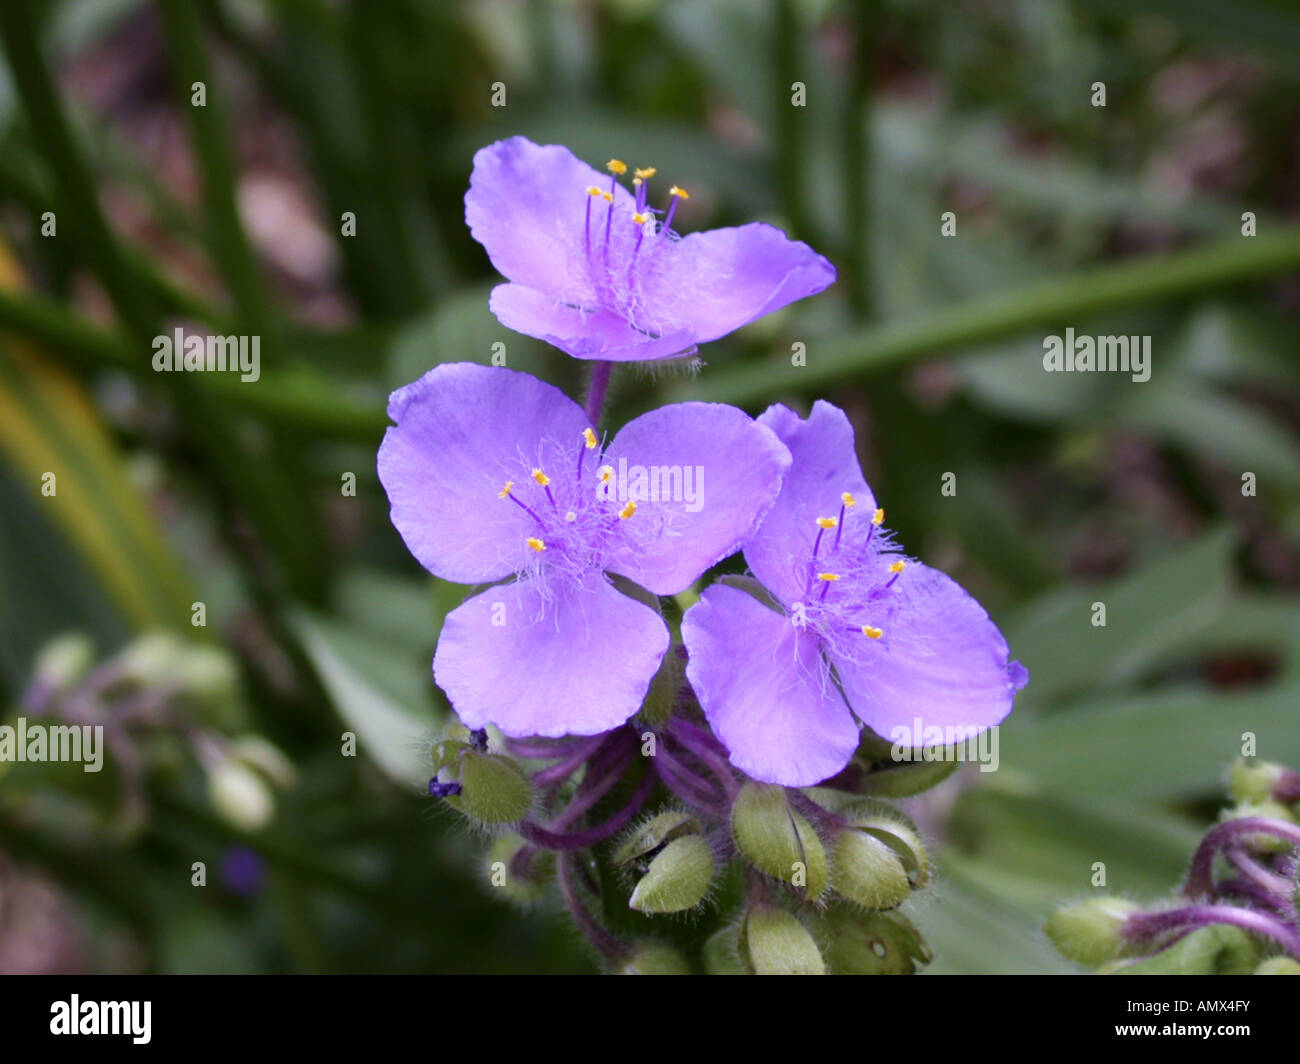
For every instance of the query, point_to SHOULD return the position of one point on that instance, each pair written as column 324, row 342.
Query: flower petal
column 566, row 659
column 721, row 279
column 764, row 688
column 702, row 475
column 941, row 662
column 462, row 430
column 527, row 206
column 598, row 334
column 825, row 465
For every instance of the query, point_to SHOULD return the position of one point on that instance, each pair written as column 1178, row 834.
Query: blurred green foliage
column 1071, row 489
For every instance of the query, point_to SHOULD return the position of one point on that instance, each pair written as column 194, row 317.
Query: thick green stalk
column 1060, row 301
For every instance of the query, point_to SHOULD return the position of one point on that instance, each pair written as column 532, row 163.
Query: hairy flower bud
column 266, row 757
column 777, row 840
column 493, row 790
column 775, row 943
column 678, row 877
column 240, row 796
column 867, row 871
column 1279, row 966
column 653, row 958
column 520, row 881
column 895, row 830
column 871, row 943
column 62, row 661
column 1091, row 932
column 1254, row 781
column 648, row 836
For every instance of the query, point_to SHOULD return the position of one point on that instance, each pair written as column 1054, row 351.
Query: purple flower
column 595, row 272
column 864, row 634
column 494, row 474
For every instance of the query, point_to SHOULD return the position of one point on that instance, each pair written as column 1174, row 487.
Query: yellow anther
column 536, row 544
column 607, row 196
column 640, row 219
column 828, row 578
column 872, row 633
column 506, row 490
column 848, row 500
column 878, row 518
column 627, row 511
column 616, row 166
column 827, row 522
column 592, row 190
column 541, row 477
column 604, row 473
column 898, row 567
column 644, row 172
column 679, row 192
column 589, row 438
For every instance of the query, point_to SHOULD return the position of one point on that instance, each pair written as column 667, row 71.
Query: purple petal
column 462, row 430
column 765, row 690
column 599, row 334
column 941, row 661
column 711, row 471
column 825, row 465
column 564, row 659
column 526, row 205
column 721, row 279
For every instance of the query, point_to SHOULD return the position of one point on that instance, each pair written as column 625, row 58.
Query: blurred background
column 126, row 212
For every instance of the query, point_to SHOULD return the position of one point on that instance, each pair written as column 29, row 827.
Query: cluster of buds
column 158, row 697
column 1238, row 912
column 650, row 820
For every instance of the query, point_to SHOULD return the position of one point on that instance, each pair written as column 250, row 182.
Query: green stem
column 1069, row 299
column 857, row 160
column 788, row 120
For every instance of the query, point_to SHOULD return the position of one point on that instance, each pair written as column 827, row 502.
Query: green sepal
column 678, row 877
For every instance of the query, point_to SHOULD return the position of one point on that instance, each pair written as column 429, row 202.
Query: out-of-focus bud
column 868, row 872
column 885, row 777
column 1279, row 966
column 521, row 884
column 653, row 958
column 871, row 943
column 493, row 789
column 721, row 953
column 1219, row 949
column 207, row 672
column 650, row 834
column 1091, row 932
column 267, row 758
column 1254, row 781
column 775, row 943
column 63, row 661
column 777, row 840
column 895, row 830
column 678, row 877
column 150, row 660
column 240, row 796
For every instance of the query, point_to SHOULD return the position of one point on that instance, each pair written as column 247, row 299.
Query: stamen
column 828, row 578
column 872, row 633
column 898, row 567
column 639, row 178
column 592, row 193
column 506, row 490
column 848, row 500
column 644, row 173
column 588, row 443
column 589, row 438
column 616, row 167
column 604, row 473
column 677, row 194
column 827, row 522
column 627, row 510
column 536, row 544
column 541, row 477
column 570, row 516
column 878, row 518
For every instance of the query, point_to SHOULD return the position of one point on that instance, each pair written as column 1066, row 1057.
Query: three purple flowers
column 495, row 477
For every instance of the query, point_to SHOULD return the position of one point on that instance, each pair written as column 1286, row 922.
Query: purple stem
column 694, row 741
column 567, row 766
column 1242, row 888
column 553, row 840
column 600, row 374
column 688, row 787
column 1145, row 926
column 606, row 944
column 1200, row 879
column 1276, row 886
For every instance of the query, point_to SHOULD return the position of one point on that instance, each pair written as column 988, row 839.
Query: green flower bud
column 863, row 943
column 661, row 699
column 208, row 673
column 895, row 830
column 1254, row 781
column 447, row 752
column 777, row 840
column 150, row 660
column 266, row 757
column 678, row 877
column 867, row 871
column 902, row 779
column 1279, row 966
column 1090, row 932
column 721, row 952
column 519, row 885
column 62, row 661
column 775, row 943
column 494, row 790
column 1263, row 842
column 654, row 958
column 1220, row 949
column 653, row 833
column 239, row 795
